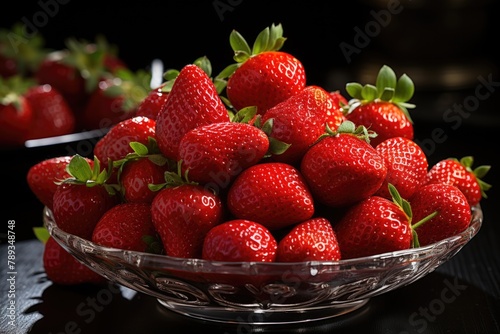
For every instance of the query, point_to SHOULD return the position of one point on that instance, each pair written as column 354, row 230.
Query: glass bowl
column 262, row 293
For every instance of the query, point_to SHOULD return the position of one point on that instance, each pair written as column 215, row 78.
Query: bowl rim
column 198, row 265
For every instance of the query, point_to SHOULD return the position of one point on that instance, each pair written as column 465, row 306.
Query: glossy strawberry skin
column 216, row 153
column 15, row 123
column 386, row 119
column 77, row 208
column 183, row 215
column 406, row 166
column 103, row 111
column 300, row 120
column 311, row 240
column 8, row 66
column 152, row 104
column 373, row 226
column 63, row 77
column 63, row 268
column 339, row 100
column 124, row 226
column 451, row 171
column 341, row 170
column 135, row 177
column 52, row 115
column 273, row 194
column 42, row 177
column 193, row 101
column 115, row 144
column 254, row 82
column 454, row 212
column 239, row 240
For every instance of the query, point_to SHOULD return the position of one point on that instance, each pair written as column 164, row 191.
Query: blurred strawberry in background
column 77, row 70
column 20, row 55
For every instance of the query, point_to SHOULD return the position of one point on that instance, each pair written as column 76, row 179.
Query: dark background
column 448, row 49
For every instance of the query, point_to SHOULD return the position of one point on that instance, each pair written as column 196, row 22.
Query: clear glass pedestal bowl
column 263, row 293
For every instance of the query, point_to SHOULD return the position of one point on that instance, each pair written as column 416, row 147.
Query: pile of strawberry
column 46, row 93
column 274, row 170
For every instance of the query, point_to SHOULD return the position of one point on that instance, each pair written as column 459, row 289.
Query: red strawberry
column 273, row 194
column 406, row 166
column 126, row 226
column 18, row 55
column 63, row 268
column 16, row 114
column 300, row 120
column 339, row 100
column 76, row 70
column 52, row 115
column 239, row 240
column 42, row 177
column 193, row 101
column 460, row 174
column 138, row 170
column 64, row 77
column 373, row 226
column 8, row 66
column 343, row 168
column 453, row 212
column 254, row 80
column 311, row 240
column 80, row 201
column 153, row 102
column 135, row 178
column 115, row 144
column 182, row 215
column 216, row 153
column 115, row 99
column 382, row 108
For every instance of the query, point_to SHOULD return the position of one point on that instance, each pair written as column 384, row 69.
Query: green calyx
column 173, row 179
column 388, row 88
column 406, row 208
column 149, row 151
column 479, row 173
column 28, row 52
column 141, row 151
column 13, row 88
column 269, row 39
column 132, row 86
column 276, row 146
column 89, row 59
column 348, row 127
column 202, row 62
column 81, row 173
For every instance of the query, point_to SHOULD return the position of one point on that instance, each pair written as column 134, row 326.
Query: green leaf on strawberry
column 349, row 127
column 27, row 53
column 173, row 179
column 479, row 172
column 13, row 88
column 81, row 173
column 388, row 88
column 41, row 233
column 406, row 207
